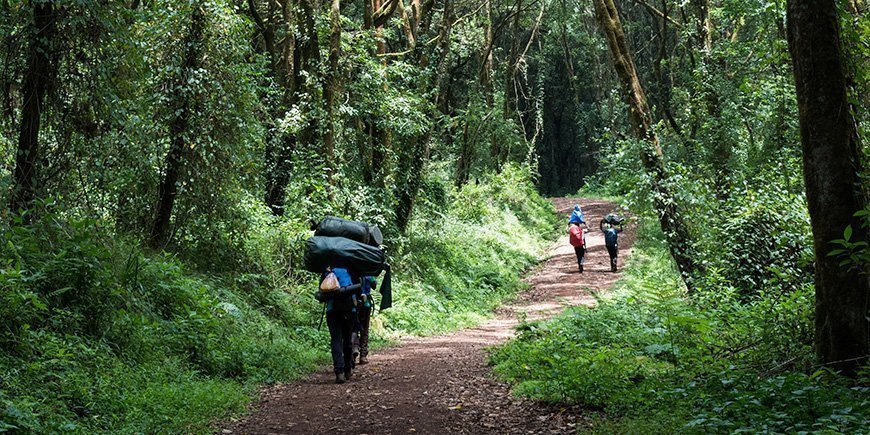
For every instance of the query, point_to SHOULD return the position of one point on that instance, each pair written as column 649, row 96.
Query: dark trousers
column 340, row 325
column 365, row 317
column 580, row 251
column 613, row 251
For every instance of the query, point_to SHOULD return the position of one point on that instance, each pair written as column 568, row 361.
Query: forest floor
column 442, row 384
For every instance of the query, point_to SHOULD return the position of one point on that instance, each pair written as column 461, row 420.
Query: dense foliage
column 655, row 361
column 99, row 336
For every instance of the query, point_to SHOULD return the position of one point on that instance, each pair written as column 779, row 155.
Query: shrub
column 654, row 359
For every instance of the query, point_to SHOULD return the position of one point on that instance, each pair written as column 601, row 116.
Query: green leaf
column 847, row 233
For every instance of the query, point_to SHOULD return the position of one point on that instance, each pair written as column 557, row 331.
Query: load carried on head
column 577, row 215
column 612, row 220
column 354, row 243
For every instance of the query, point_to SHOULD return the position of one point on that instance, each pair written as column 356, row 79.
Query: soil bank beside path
column 442, row 384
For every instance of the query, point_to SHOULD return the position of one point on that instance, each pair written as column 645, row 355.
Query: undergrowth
column 97, row 335
column 654, row 360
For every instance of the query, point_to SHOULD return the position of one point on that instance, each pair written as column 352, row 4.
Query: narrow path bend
column 442, row 384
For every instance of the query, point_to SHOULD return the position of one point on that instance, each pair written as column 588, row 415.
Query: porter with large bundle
column 348, row 252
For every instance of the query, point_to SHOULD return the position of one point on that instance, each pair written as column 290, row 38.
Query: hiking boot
column 348, row 374
column 363, row 360
column 339, row 378
column 581, row 269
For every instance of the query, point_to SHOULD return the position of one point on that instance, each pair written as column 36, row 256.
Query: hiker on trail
column 339, row 289
column 576, row 234
column 611, row 226
column 364, row 313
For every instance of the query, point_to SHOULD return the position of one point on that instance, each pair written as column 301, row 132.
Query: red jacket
column 575, row 235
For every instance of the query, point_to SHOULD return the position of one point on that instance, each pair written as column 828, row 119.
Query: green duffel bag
column 366, row 260
column 332, row 226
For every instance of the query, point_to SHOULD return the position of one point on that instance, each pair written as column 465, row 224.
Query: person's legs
column 334, row 323
column 354, row 334
column 580, row 251
column 613, row 251
column 365, row 316
column 347, row 346
column 354, row 341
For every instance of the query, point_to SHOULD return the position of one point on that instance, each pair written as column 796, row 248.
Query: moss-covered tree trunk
column 415, row 154
column 278, row 19
column 832, row 169
column 37, row 77
column 180, row 137
column 330, row 90
column 302, row 57
column 672, row 222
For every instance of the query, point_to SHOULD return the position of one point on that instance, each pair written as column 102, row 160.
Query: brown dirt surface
column 442, row 384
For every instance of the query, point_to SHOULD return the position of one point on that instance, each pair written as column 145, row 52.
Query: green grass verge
column 97, row 336
column 656, row 361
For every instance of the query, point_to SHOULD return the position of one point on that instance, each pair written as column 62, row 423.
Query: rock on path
column 442, row 384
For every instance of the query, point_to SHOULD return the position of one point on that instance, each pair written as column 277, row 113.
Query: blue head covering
column 577, row 215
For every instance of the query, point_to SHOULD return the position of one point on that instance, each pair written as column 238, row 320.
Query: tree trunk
column 411, row 170
column 309, row 59
column 38, row 75
column 510, row 97
column 407, row 24
column 510, row 64
column 704, row 24
column 416, row 151
column 832, row 167
column 330, row 89
column 300, row 60
column 179, row 134
column 487, row 61
column 463, row 163
column 442, row 75
column 283, row 57
column 378, row 140
column 671, row 220
column 466, row 151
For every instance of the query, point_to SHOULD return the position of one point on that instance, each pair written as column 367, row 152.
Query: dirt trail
column 442, row 384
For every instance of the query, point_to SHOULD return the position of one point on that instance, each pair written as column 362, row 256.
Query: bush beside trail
column 101, row 336
column 654, row 360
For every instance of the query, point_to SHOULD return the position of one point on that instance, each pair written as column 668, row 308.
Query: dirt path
column 442, row 384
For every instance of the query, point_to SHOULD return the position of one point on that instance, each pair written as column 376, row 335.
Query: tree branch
column 657, row 12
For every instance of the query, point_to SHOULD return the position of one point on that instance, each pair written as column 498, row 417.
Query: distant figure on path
column 611, row 226
column 576, row 234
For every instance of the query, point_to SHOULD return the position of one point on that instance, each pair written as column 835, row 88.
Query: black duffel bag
column 367, row 260
column 362, row 232
column 613, row 219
